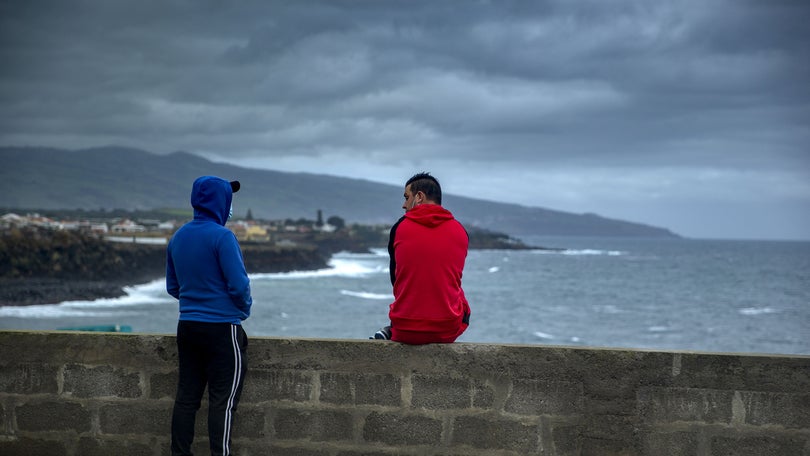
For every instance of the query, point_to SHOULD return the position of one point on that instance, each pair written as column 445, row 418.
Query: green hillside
column 124, row 178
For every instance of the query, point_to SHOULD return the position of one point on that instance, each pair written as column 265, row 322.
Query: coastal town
column 330, row 234
column 156, row 231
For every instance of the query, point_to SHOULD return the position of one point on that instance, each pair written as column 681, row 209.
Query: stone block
column 365, row 389
column 614, row 375
column 88, row 446
column 365, row 453
column 744, row 372
column 263, row 385
column 669, row 405
column 53, row 416
column 495, row 434
column 610, row 406
column 253, row 448
column 514, row 361
column 671, row 444
column 29, row 379
column 336, row 389
column 538, row 397
column 200, row 446
column 163, row 386
column 25, row 446
column 164, row 446
column 249, row 422
column 610, row 427
column 135, row 418
column 101, row 381
column 765, row 445
column 566, row 440
column 483, row 394
column 602, row 447
column 378, row 389
column 315, row 425
column 789, row 410
column 395, row 429
column 435, row 392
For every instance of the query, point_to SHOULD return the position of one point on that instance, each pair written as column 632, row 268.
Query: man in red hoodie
column 428, row 248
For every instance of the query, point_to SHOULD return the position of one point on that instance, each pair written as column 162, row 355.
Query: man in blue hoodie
column 206, row 272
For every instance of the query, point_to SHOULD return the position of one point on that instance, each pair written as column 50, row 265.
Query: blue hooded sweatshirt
column 204, row 265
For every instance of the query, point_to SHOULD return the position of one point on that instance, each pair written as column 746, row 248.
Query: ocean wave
column 65, row 310
column 592, row 252
column 137, row 240
column 379, row 252
column 373, row 254
column 757, row 310
column 339, row 267
column 148, row 293
column 608, row 309
column 579, row 252
column 546, row 336
column 366, row 295
column 659, row 329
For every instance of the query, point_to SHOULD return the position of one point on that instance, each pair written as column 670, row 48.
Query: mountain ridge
column 114, row 177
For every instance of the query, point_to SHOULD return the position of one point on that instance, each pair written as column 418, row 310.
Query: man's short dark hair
column 427, row 184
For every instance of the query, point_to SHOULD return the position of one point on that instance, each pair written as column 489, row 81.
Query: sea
column 659, row 294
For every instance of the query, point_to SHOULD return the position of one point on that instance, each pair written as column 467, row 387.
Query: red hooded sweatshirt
column 428, row 248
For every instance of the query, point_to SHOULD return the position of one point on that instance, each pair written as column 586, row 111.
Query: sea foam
column 757, row 310
column 149, row 293
column 339, row 267
column 366, row 295
column 580, row 252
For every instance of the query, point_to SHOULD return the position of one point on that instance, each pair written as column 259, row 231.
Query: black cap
column 235, row 186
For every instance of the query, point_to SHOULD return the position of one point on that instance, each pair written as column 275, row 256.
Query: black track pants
column 212, row 354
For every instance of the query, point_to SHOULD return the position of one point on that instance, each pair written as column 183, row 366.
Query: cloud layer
column 687, row 114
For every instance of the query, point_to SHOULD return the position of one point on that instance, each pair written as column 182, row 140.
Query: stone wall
column 68, row 393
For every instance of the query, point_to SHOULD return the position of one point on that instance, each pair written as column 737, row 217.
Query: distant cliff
column 37, row 178
column 361, row 238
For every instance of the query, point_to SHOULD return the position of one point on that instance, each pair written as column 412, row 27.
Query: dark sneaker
column 382, row 334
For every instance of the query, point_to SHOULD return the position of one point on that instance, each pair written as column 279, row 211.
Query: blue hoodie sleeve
column 172, row 285
column 233, row 269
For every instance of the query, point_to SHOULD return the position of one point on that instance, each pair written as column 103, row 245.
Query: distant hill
column 125, row 178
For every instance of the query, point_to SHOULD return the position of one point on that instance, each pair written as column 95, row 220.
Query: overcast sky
column 689, row 115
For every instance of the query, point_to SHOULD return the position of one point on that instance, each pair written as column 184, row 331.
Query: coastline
column 149, row 265
column 97, row 269
column 35, row 291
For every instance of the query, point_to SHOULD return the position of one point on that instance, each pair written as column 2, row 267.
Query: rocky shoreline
column 43, row 267
column 47, row 290
column 28, row 291
column 31, row 291
column 48, row 268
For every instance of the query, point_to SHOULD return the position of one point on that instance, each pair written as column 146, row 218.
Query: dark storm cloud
column 683, row 96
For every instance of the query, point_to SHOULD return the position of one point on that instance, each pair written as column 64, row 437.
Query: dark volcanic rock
column 28, row 291
column 46, row 266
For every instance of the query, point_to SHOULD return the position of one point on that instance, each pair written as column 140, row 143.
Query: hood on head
column 211, row 198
